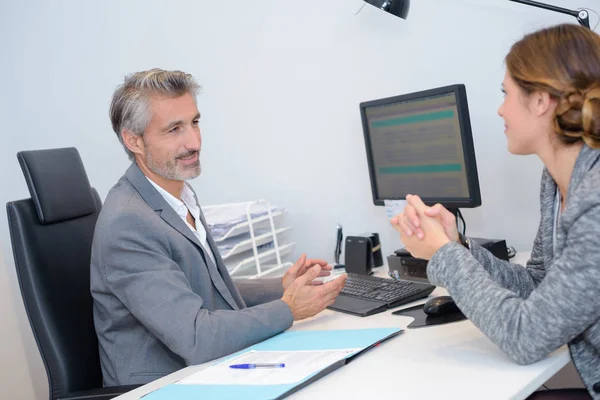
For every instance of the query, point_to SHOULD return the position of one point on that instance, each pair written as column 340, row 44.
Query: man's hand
column 410, row 222
column 434, row 235
column 300, row 268
column 307, row 300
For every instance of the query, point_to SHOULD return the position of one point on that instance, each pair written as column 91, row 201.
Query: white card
column 394, row 207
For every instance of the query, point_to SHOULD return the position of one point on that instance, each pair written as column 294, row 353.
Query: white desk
column 452, row 361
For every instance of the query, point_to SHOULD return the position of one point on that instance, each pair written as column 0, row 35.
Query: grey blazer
column 531, row 311
column 159, row 302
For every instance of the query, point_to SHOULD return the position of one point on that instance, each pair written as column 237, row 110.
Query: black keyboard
column 389, row 291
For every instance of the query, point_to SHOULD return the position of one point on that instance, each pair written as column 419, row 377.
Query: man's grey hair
column 130, row 106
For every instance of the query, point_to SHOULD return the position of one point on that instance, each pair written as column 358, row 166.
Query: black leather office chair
column 51, row 236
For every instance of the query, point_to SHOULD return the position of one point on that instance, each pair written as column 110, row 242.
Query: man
column 163, row 298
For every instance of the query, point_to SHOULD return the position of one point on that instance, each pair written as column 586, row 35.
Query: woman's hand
column 410, row 223
column 432, row 232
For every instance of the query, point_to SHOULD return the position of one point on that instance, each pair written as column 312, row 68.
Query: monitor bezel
column 459, row 90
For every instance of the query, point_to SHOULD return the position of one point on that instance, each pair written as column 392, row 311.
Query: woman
column 551, row 109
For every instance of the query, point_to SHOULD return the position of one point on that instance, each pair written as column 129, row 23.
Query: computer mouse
column 441, row 305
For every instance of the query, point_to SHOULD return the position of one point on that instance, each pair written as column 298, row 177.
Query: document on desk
column 307, row 355
column 299, row 365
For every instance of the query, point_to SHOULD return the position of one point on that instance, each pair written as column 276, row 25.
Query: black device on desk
column 440, row 305
column 404, row 266
column 358, row 256
column 365, row 295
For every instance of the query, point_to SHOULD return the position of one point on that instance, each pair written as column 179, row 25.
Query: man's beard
column 171, row 169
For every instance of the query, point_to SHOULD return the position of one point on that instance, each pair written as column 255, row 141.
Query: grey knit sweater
column 531, row 311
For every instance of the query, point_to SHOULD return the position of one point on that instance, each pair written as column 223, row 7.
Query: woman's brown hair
column 563, row 61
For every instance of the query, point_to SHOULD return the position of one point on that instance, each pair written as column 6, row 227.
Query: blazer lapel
column 166, row 212
column 172, row 218
column 219, row 278
column 158, row 203
column 235, row 294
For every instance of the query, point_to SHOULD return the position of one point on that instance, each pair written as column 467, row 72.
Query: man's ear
column 542, row 103
column 133, row 142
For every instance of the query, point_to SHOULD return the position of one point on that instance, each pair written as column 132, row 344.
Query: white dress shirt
column 182, row 207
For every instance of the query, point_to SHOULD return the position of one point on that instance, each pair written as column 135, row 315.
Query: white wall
column 282, row 83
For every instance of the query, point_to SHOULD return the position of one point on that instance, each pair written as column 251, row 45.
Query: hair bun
column 578, row 116
column 591, row 116
column 569, row 114
column 575, row 99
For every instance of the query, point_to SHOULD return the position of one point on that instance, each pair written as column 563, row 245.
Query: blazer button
column 596, row 387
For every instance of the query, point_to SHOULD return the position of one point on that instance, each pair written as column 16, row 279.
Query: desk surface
column 452, row 361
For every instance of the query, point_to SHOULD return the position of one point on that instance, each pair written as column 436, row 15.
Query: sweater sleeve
column 561, row 307
column 514, row 277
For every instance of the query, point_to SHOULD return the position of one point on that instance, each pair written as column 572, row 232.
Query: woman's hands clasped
column 423, row 229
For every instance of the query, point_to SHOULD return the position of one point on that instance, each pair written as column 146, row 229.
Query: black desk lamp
column 583, row 17
column 399, row 8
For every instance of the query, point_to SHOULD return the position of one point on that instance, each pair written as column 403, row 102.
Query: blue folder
column 363, row 339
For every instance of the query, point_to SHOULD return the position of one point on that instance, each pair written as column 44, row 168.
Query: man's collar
column 187, row 196
column 154, row 198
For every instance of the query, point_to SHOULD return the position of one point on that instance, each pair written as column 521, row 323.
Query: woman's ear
column 542, row 103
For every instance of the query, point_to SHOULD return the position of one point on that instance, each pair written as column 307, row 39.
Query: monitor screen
column 421, row 143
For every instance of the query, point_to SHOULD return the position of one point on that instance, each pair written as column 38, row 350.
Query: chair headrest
column 58, row 184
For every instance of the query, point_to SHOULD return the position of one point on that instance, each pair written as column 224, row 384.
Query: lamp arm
column 583, row 17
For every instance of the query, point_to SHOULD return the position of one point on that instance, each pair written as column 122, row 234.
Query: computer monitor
column 421, row 143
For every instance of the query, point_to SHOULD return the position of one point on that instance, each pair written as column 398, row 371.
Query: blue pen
column 253, row 366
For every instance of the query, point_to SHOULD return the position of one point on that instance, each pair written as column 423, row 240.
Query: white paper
column 299, row 365
column 394, row 207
